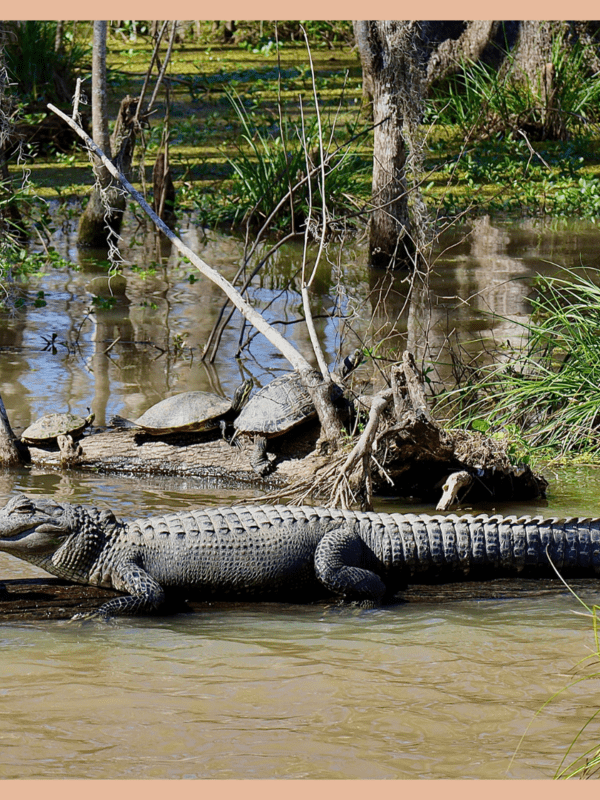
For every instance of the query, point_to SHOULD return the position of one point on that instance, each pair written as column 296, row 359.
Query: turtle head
column 352, row 361
column 242, row 393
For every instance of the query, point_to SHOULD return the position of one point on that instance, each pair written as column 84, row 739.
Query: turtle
column 278, row 407
column 188, row 412
column 48, row 428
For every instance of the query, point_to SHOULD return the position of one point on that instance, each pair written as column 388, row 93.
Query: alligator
column 294, row 553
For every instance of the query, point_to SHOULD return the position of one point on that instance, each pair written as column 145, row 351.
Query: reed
column 545, row 394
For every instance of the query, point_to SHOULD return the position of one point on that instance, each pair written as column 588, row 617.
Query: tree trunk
column 58, row 38
column 163, row 195
column 533, row 65
column 10, row 455
column 391, row 57
column 448, row 54
column 102, row 218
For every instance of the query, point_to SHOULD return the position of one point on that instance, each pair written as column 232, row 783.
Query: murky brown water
column 267, row 690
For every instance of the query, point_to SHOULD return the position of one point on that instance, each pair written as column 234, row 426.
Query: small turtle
column 277, row 408
column 188, row 412
column 47, row 428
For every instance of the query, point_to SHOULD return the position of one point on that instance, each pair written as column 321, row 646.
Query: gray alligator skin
column 292, row 553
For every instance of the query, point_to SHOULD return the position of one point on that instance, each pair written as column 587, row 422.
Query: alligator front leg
column 339, row 560
column 145, row 595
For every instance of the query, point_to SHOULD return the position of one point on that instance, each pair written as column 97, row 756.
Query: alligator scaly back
column 296, row 553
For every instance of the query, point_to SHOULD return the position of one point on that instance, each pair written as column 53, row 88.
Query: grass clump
column 42, row 71
column 274, row 163
column 482, row 100
column 544, row 396
column 506, row 144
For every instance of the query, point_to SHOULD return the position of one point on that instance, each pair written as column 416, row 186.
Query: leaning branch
column 289, row 352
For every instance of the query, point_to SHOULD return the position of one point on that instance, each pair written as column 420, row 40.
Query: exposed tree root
column 403, row 451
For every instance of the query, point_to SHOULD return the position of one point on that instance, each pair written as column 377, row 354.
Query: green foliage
column 511, row 149
column 503, row 175
column 42, row 74
column 545, row 396
column 272, row 158
column 482, row 100
column 321, row 33
column 104, row 303
column 17, row 264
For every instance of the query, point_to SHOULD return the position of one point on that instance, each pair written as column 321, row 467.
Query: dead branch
column 454, row 483
column 289, row 352
column 361, row 452
column 318, row 385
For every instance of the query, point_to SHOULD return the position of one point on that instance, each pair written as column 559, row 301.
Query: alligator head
column 33, row 528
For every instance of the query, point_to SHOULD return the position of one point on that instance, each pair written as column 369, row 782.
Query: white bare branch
column 295, row 358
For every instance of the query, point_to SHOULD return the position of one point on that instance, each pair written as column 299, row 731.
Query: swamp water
column 417, row 690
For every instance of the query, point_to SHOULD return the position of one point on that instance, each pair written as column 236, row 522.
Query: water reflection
column 273, row 691
column 121, row 344
column 288, row 692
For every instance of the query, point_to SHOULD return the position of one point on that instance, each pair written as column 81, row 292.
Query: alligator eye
column 23, row 505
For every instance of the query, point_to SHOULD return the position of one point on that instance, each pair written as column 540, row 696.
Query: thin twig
column 289, row 352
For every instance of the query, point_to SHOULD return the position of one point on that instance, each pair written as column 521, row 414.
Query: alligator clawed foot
column 366, row 603
column 90, row 616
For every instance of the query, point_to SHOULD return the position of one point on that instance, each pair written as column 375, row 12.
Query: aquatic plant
column 42, row 71
column 277, row 158
column 545, row 395
column 482, row 100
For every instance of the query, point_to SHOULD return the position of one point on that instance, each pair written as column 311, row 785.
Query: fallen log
column 402, row 452
column 43, row 599
column 132, row 453
column 406, row 465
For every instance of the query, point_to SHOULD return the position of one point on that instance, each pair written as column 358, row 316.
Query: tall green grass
column 482, row 100
column 544, row 396
column 271, row 167
column 42, row 74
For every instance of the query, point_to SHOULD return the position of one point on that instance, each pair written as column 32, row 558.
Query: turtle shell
column 48, row 427
column 277, row 407
column 188, row 411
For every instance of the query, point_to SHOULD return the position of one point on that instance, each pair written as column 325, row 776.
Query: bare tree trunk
column 9, row 453
column 58, row 39
column 163, row 194
column 533, row 65
column 103, row 215
column 448, row 56
column 361, row 35
column 391, row 58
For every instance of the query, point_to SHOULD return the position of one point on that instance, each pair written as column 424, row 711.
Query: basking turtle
column 188, row 412
column 47, row 428
column 277, row 408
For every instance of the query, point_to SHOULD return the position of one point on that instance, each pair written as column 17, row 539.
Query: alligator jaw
column 30, row 528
